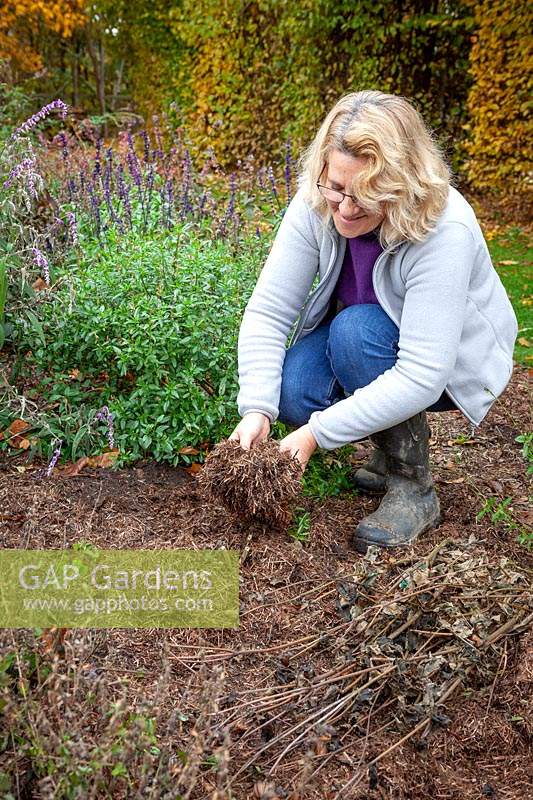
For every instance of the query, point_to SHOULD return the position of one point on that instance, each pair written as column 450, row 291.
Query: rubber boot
column 370, row 477
column 411, row 505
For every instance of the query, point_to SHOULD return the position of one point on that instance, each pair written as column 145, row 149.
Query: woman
column 408, row 314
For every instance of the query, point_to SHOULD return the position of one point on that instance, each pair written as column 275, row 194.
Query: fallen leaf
column 74, row 469
column 19, row 426
column 194, row 468
column 188, row 451
column 53, row 638
column 524, row 342
column 19, row 443
column 507, row 263
column 20, row 469
column 74, row 375
column 39, row 285
column 105, row 460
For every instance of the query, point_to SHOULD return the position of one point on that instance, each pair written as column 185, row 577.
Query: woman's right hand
column 253, row 428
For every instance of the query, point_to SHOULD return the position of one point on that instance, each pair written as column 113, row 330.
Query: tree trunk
column 76, row 74
column 97, row 61
column 117, row 84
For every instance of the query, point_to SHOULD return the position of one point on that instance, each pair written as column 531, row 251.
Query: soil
column 479, row 743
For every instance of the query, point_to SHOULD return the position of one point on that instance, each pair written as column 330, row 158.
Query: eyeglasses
column 335, row 195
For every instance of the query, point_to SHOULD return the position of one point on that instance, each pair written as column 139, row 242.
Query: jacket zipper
column 319, row 289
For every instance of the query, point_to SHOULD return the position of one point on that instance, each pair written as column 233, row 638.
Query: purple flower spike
column 41, row 262
column 54, row 459
column 62, row 138
column 273, row 184
column 232, row 194
column 105, row 415
column 260, row 179
column 73, row 227
column 108, row 177
column 288, row 172
column 25, row 166
column 124, row 194
column 97, row 172
column 146, row 142
column 36, row 118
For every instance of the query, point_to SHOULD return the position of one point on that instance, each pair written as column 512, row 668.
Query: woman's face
column 350, row 218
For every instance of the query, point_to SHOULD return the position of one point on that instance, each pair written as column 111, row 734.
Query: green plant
column 148, row 327
column 328, row 474
column 526, row 440
column 498, row 511
column 301, row 528
column 501, row 513
column 526, row 537
column 511, row 253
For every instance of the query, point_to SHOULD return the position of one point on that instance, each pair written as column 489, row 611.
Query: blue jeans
column 337, row 358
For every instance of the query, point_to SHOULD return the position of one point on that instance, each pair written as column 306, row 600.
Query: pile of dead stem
column 410, row 639
column 259, row 484
column 411, row 634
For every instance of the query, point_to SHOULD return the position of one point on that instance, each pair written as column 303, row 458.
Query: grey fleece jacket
column 457, row 325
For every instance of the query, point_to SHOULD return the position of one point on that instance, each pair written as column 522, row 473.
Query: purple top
column 355, row 280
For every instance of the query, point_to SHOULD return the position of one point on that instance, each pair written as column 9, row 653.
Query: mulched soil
column 478, row 743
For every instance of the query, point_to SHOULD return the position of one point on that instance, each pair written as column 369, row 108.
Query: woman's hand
column 253, row 428
column 300, row 443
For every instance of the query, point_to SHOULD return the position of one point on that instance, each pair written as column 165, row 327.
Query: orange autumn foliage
column 21, row 22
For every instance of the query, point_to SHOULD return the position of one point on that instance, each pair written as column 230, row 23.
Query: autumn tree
column 22, row 23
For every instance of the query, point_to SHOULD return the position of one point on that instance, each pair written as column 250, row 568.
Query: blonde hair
column 406, row 177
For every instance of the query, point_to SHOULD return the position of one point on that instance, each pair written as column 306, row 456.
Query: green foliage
column 301, row 527
column 512, row 254
column 497, row 511
column 149, row 328
column 526, row 440
column 15, row 103
column 328, row 474
column 501, row 513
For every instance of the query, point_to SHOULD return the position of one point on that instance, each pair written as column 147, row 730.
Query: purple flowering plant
column 21, row 188
column 105, row 415
column 114, row 197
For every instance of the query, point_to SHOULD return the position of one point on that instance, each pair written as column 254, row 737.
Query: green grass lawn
column 512, row 255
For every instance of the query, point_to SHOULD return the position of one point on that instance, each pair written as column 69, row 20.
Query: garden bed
column 404, row 675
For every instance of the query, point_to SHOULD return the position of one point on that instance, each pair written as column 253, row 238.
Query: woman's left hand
column 300, row 443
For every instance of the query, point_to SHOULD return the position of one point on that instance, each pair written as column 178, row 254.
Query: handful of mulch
column 259, row 484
